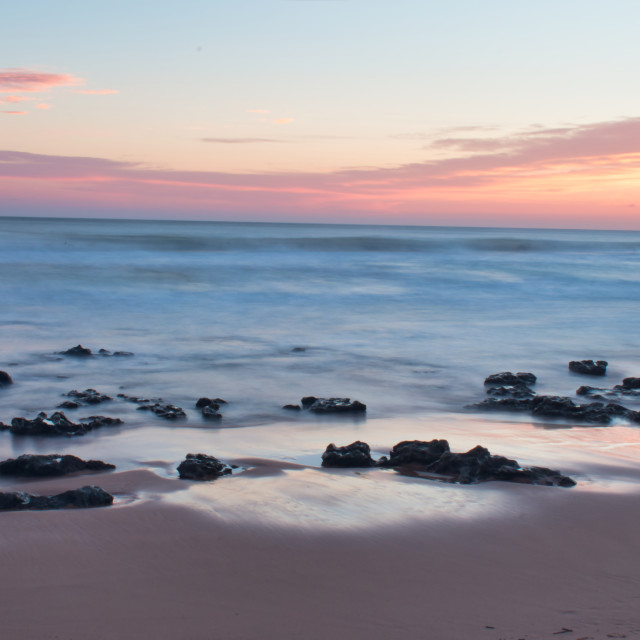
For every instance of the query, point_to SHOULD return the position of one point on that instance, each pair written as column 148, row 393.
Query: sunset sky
column 494, row 113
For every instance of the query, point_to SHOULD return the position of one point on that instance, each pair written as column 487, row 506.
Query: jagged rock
column 508, row 378
column 307, row 401
column 58, row 425
column 88, row 396
column 589, row 367
column 210, row 412
column 54, row 464
column 77, row 352
column 292, row 407
column 519, row 391
column 416, row 452
column 356, row 454
column 5, row 379
column 199, row 466
column 335, row 405
column 84, row 497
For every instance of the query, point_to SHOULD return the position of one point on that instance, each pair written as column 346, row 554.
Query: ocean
column 408, row 320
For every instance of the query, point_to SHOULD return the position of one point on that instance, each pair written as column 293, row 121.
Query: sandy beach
column 281, row 552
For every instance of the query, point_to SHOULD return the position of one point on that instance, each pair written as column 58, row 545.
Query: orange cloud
column 16, row 113
column 14, row 99
column 262, row 111
column 24, row 80
column 283, row 121
column 551, row 177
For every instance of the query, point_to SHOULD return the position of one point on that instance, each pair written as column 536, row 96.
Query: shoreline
column 550, row 559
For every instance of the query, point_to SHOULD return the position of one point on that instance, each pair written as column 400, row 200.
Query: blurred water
column 406, row 319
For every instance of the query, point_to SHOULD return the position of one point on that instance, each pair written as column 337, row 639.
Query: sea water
column 408, row 320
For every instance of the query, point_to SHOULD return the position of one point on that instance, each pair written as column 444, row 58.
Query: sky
column 493, row 113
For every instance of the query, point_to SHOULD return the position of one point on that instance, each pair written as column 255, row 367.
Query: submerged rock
column 356, row 454
column 166, row 411
column 333, row 405
column 210, row 412
column 77, row 352
column 58, row 425
column 82, row 498
column 292, row 407
column 508, row 378
column 88, row 396
column 199, row 466
column 589, row 367
column 36, row 465
column 5, row 379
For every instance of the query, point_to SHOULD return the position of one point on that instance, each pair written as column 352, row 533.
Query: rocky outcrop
column 59, row 425
column 5, row 379
column 589, row 367
column 508, row 378
column 84, row 352
column 82, row 498
column 434, row 460
column 156, row 406
column 331, row 405
column 356, row 454
column 210, row 407
column 36, row 465
column 86, row 397
column 199, row 466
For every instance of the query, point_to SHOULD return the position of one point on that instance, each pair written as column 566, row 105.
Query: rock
column 356, row 454
column 37, row 465
column 88, row 396
column 508, row 378
column 205, row 402
column 298, row 349
column 199, row 466
column 68, row 404
column 416, row 452
column 503, row 404
column 307, row 401
column 211, row 412
column 58, row 425
column 166, row 411
column 77, row 352
column 589, row 367
column 336, row 405
column 631, row 383
column 5, row 379
column 563, row 407
column 292, row 407
column 519, row 390
column 115, row 354
column 84, row 497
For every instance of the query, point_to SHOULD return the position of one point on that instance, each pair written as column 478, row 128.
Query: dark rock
column 508, row 378
column 356, row 454
column 166, row 411
column 5, row 379
column 415, row 452
column 84, row 497
column 589, row 367
column 4, row 427
column 68, row 404
column 208, row 402
column 307, row 401
column 336, row 405
column 519, row 391
column 565, row 408
column 594, row 392
column 210, row 412
column 292, row 407
column 77, row 352
column 298, row 349
column 88, row 396
column 631, row 383
column 116, row 354
column 199, row 466
column 58, row 425
column 50, row 465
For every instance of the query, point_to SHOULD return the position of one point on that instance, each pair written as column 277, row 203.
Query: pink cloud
column 43, row 105
column 14, row 99
column 96, row 92
column 16, row 113
column 569, row 171
column 24, row 80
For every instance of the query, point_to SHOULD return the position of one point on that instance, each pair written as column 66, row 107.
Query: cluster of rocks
column 88, row 396
column 210, row 408
column 512, row 392
column 328, row 405
column 48, row 465
column 84, row 497
column 156, row 406
column 57, row 425
column 84, row 352
column 434, row 460
column 630, row 387
column 200, row 466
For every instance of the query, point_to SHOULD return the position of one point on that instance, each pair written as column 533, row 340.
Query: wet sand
column 158, row 565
